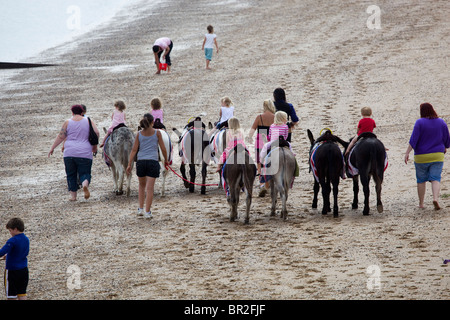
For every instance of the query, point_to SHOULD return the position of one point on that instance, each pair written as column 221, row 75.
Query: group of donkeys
column 366, row 159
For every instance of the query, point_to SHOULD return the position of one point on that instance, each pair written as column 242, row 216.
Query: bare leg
column 421, row 187
column 87, row 194
column 73, row 196
column 150, row 188
column 436, row 189
column 142, row 185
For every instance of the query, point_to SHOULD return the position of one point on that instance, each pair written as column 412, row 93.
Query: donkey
column 218, row 143
column 193, row 148
column 279, row 169
column 327, row 163
column 169, row 150
column 239, row 172
column 116, row 153
column 367, row 158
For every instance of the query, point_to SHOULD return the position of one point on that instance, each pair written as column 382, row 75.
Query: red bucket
column 163, row 66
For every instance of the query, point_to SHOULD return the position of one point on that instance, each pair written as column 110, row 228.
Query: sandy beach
column 330, row 64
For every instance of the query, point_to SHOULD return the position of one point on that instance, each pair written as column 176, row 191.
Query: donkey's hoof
column 380, row 208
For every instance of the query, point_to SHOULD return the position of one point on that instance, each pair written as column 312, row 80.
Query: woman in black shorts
column 147, row 165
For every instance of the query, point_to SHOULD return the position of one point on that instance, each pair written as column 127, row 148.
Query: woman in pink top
column 118, row 117
column 162, row 45
column 77, row 151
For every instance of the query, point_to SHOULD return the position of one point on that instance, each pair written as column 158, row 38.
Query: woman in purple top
column 430, row 139
column 77, row 151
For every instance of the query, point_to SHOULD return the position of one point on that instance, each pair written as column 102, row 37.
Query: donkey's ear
column 310, row 136
column 177, row 132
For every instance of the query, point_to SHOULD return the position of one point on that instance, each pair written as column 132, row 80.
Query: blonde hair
column 120, row 105
column 234, row 125
column 280, row 117
column 268, row 106
column 366, row 111
column 156, row 103
column 226, row 101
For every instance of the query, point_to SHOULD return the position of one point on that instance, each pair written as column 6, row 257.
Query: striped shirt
column 277, row 130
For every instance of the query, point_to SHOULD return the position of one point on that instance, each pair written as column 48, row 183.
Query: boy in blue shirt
column 16, row 270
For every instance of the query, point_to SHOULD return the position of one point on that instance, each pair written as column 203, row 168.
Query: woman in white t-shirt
column 208, row 45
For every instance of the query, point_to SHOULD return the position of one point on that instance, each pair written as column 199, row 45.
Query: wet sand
column 330, row 64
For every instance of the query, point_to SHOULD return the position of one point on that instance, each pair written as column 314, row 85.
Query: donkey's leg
column 192, row 176
column 273, row 194
column 316, row 192
column 183, row 174
column 129, row 182
column 326, row 190
column 355, row 192
column 378, row 183
column 335, row 197
column 204, row 173
column 121, row 172
column 365, row 179
column 114, row 173
column 234, row 201
column 163, row 187
column 248, row 203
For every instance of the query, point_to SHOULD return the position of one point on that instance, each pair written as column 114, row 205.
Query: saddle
column 281, row 144
column 365, row 135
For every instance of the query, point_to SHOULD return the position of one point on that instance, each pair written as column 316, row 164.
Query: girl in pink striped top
column 277, row 129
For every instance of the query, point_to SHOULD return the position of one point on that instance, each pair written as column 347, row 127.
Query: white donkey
column 169, row 149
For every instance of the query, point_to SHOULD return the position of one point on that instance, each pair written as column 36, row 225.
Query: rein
column 197, row 184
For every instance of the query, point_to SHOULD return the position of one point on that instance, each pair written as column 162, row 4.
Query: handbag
column 93, row 138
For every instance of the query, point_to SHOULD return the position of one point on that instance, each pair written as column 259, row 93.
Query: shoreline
column 330, row 65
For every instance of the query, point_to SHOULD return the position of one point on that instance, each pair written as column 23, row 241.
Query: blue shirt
column 16, row 250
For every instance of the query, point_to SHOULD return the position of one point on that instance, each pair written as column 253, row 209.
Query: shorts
column 16, row 283
column 147, row 168
column 428, row 171
column 208, row 53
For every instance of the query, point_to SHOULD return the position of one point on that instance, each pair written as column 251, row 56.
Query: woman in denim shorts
column 430, row 139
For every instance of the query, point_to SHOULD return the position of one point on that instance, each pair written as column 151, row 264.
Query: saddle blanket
column 264, row 177
column 353, row 171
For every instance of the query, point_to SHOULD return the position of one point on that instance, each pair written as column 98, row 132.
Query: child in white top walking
column 118, row 117
column 208, row 45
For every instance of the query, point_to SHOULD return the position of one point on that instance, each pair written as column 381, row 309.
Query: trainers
column 148, row 215
column 140, row 212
